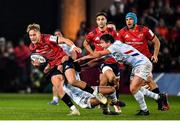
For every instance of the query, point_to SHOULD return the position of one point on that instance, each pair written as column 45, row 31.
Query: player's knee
column 111, row 78
column 55, row 79
column 133, row 90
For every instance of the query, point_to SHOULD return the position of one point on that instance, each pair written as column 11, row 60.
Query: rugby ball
column 40, row 58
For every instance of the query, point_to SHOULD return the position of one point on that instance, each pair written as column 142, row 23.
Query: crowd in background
column 161, row 16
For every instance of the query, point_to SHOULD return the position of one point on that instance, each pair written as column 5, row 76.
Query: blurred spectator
column 162, row 30
column 2, row 46
column 82, row 30
column 22, row 54
column 149, row 20
column 8, row 66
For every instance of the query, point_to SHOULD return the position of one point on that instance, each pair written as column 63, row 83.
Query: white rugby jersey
column 66, row 48
column 79, row 96
column 127, row 54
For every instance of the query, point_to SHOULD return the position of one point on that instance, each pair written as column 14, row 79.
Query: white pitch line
column 178, row 94
column 159, row 77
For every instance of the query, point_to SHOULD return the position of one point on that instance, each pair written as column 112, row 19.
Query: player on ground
column 87, row 100
column 138, row 36
column 141, row 69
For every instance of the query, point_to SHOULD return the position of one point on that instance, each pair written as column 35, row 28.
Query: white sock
column 113, row 97
column 148, row 93
column 140, row 99
column 73, row 107
column 55, row 98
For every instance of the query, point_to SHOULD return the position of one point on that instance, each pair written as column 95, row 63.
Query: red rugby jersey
column 94, row 37
column 48, row 49
column 138, row 38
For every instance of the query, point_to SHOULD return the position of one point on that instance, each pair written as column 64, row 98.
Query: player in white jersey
column 141, row 69
column 87, row 100
column 83, row 98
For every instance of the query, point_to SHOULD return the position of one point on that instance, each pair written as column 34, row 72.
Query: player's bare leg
column 58, row 82
column 70, row 76
column 135, row 85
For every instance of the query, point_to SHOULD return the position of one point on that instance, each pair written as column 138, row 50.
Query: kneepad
column 77, row 67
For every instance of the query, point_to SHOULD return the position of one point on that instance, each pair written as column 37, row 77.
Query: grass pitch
column 35, row 107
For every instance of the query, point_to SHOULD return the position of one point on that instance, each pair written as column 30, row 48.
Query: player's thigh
column 110, row 75
column 103, row 80
column 70, row 75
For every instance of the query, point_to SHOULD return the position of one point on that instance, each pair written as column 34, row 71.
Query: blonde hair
column 33, row 26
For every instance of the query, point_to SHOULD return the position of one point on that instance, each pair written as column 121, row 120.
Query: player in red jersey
column 109, row 68
column 47, row 46
column 138, row 36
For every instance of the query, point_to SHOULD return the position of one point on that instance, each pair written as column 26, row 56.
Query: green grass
column 34, row 106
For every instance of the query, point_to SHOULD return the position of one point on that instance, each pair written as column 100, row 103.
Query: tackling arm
column 96, row 54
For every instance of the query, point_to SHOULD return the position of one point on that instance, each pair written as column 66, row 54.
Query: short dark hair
column 107, row 38
column 101, row 14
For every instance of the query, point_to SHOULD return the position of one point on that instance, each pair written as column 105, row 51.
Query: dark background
column 17, row 14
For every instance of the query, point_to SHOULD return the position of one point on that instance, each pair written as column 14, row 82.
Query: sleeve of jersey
column 120, row 36
column 53, row 39
column 149, row 34
column 112, row 48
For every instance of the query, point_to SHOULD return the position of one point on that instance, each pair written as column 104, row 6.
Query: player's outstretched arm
column 69, row 43
column 96, row 54
column 87, row 57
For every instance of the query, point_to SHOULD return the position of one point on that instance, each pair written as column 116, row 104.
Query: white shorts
column 105, row 68
column 143, row 71
column 77, row 76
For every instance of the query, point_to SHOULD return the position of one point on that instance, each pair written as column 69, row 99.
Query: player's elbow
column 85, row 43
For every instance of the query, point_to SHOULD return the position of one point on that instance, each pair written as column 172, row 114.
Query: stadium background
column 75, row 18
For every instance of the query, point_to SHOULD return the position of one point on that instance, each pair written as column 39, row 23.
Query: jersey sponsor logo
column 118, row 56
column 126, row 36
column 97, row 38
column 134, row 39
column 140, row 35
column 137, row 43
